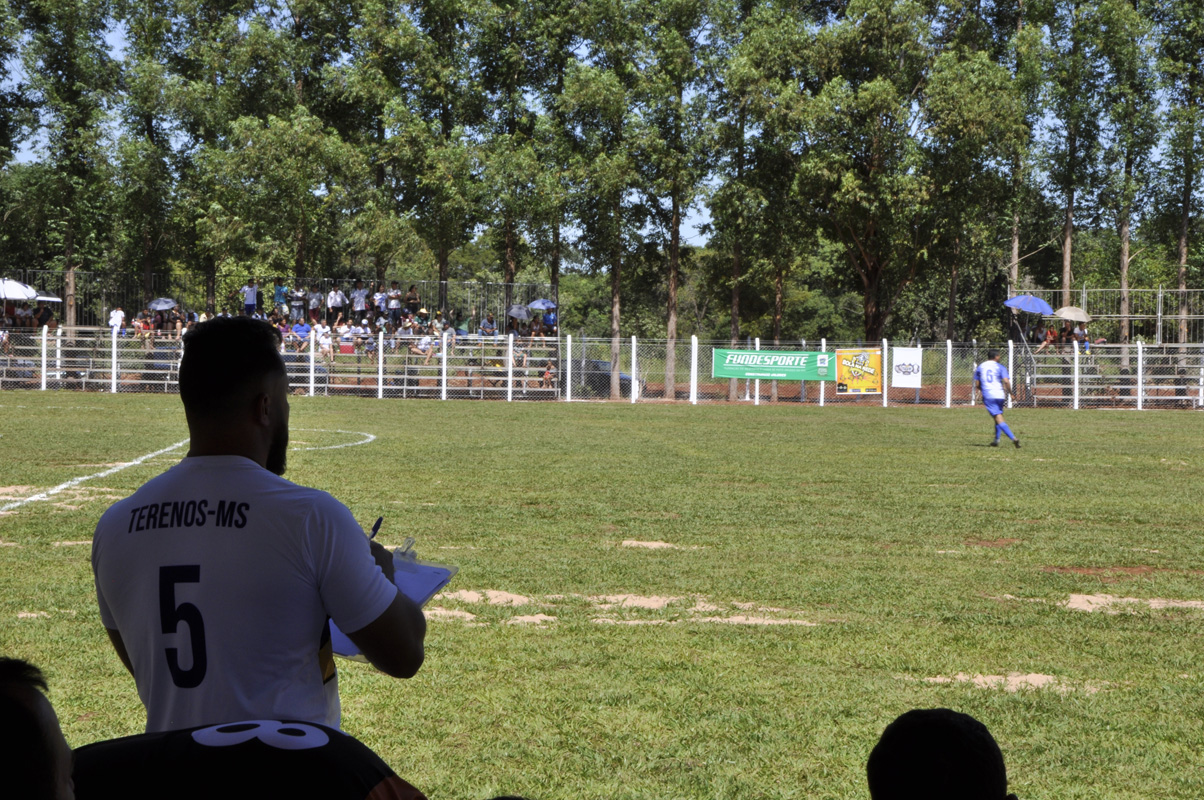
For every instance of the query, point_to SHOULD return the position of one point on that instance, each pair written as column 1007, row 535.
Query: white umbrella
column 15, row 290
column 48, row 297
column 1073, row 313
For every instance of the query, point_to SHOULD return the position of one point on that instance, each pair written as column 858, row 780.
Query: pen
column 376, row 527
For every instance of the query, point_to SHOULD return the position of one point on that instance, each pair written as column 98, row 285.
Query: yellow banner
column 859, row 371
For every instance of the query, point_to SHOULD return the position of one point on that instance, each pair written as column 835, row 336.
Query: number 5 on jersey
column 171, row 615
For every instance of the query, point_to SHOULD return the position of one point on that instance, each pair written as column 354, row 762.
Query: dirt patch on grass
column 438, row 612
column 530, row 619
column 633, row 601
column 1014, row 682
column 1107, row 574
column 70, row 544
column 656, row 545
column 992, row 542
column 32, row 614
column 1111, row 604
column 741, row 619
column 14, row 492
column 490, row 596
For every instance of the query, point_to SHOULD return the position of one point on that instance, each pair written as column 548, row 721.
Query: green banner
column 773, row 365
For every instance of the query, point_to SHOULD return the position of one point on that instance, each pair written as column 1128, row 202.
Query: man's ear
column 262, row 409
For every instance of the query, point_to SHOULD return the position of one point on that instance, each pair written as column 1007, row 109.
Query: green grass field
column 916, row 553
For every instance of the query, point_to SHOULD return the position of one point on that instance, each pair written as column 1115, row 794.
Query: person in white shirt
column 395, row 302
column 424, row 347
column 216, row 580
column 117, row 318
column 249, row 294
column 325, row 342
column 359, row 299
column 335, row 300
column 314, row 299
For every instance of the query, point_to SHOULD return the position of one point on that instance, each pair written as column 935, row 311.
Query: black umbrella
column 519, row 312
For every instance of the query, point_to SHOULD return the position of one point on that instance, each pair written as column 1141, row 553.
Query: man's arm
column 393, row 641
column 119, row 646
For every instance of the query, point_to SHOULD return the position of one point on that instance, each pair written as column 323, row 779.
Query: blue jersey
column 990, row 376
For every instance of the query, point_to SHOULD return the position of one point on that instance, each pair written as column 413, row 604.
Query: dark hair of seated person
column 937, row 754
column 36, row 759
column 225, row 360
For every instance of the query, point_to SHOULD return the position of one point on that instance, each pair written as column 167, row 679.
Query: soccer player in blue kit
column 991, row 380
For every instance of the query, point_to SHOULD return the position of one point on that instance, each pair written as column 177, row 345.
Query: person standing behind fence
column 314, row 299
column 991, row 380
column 335, row 300
column 248, row 293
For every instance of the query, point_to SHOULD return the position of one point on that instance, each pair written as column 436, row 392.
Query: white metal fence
column 504, row 368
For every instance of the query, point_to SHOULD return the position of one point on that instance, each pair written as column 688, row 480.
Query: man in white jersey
column 216, row 579
column 991, row 379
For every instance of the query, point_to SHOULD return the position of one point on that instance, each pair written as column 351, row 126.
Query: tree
column 599, row 111
column 1131, row 111
column 71, row 79
column 1181, row 61
column 673, row 159
column 1075, row 81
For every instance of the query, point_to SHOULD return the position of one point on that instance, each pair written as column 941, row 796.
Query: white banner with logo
column 906, row 372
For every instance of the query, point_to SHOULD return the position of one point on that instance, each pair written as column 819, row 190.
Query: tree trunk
column 442, row 255
column 69, row 275
column 779, row 287
column 671, row 322
column 1189, row 181
column 554, row 267
column 950, row 322
column 210, row 285
column 737, row 253
column 1123, row 226
column 616, row 265
column 1067, row 239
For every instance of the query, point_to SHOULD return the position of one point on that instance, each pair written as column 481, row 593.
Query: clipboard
column 417, row 580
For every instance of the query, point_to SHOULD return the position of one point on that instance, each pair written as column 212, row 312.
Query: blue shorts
column 994, row 405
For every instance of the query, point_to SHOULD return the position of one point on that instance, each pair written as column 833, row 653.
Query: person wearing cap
column 488, row 326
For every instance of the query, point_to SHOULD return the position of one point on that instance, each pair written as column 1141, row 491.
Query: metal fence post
column 1076, row 375
column 694, row 370
column 113, row 360
column 949, row 373
column 885, row 374
column 974, row 344
column 380, row 366
column 313, row 346
column 1158, row 332
column 443, row 376
column 509, row 368
column 823, row 348
column 802, row 385
column 635, row 375
column 58, row 355
column 45, row 331
column 757, row 384
column 568, row 369
column 1140, row 376
column 1011, row 360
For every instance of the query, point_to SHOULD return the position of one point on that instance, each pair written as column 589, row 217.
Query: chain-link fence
column 549, row 368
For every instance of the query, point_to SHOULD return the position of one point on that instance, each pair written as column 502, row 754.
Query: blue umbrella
column 541, row 305
column 1029, row 303
column 161, row 304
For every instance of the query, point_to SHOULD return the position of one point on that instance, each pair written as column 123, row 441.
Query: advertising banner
column 906, row 371
column 773, row 365
column 859, row 371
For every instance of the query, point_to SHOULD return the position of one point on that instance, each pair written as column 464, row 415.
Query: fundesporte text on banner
column 859, row 371
column 773, row 365
column 907, row 371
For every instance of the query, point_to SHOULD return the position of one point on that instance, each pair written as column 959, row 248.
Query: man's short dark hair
column 224, row 361
column 992, row 355
column 936, row 754
column 23, row 741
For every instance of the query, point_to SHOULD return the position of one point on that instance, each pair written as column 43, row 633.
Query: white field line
column 368, row 438
column 62, row 487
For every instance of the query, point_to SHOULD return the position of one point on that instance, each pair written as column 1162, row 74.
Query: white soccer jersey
column 220, row 576
column 991, row 375
column 359, row 299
